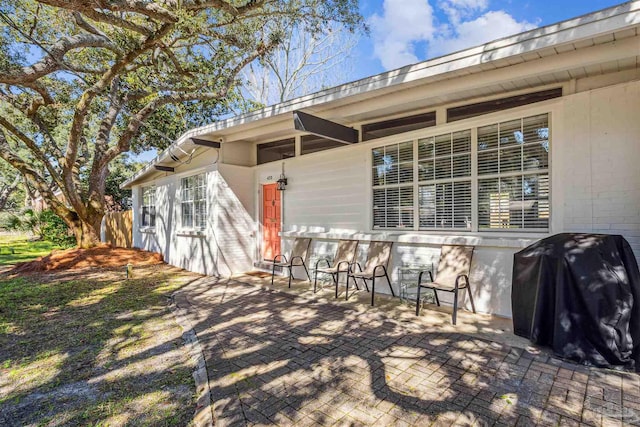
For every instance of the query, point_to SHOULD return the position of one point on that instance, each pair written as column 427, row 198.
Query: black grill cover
column 580, row 295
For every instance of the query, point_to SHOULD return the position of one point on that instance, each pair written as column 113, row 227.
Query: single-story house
column 494, row 146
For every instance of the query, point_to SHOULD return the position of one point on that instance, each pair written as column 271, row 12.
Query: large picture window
column 193, row 202
column 148, row 206
column 506, row 164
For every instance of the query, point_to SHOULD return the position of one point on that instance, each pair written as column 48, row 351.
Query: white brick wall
column 601, row 176
column 226, row 246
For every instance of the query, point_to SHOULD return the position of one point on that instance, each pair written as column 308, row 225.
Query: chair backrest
column 454, row 260
column 299, row 249
column 347, row 251
column 379, row 253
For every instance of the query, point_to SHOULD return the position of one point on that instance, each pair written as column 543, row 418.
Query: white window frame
column 148, row 200
column 471, row 124
column 521, row 174
column 399, row 187
column 189, row 198
column 453, row 180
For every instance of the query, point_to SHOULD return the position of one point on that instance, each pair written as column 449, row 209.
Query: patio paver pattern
column 276, row 358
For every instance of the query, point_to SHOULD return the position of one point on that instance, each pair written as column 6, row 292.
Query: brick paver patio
column 278, row 358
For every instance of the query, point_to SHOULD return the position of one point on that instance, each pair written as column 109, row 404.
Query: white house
column 495, row 146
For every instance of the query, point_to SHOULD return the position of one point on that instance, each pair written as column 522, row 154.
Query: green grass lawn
column 91, row 348
column 19, row 248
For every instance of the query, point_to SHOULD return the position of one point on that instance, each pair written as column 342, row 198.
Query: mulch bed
column 102, row 256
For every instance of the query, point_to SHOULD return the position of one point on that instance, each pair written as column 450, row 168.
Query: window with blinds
column 193, row 202
column 393, row 186
column 433, row 183
column 148, row 206
column 513, row 174
column 444, row 174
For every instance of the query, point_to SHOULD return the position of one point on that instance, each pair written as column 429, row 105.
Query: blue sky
column 408, row 31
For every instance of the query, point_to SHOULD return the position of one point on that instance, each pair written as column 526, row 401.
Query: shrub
column 54, row 229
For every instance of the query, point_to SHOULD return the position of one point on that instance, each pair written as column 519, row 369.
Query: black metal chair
column 296, row 259
column 378, row 257
column 452, row 275
column 345, row 255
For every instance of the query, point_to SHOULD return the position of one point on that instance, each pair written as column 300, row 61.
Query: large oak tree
column 82, row 82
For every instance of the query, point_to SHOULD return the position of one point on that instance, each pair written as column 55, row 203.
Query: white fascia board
column 606, row 21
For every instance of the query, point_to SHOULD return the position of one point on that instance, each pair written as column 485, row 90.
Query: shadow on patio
column 280, row 356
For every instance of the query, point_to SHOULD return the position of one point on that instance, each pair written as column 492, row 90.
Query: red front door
column 270, row 221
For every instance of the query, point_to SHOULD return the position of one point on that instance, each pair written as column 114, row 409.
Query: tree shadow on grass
column 78, row 348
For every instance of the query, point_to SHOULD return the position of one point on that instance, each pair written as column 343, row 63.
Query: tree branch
column 87, row 97
column 33, row 147
column 55, row 60
column 33, row 178
column 7, row 190
column 151, row 9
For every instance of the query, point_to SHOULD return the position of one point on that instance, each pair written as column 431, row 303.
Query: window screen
column 313, row 143
column 486, row 107
column 399, row 125
column 276, row 150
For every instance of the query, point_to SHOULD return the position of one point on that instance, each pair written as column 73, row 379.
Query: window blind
column 194, row 202
column 513, row 185
column 444, row 172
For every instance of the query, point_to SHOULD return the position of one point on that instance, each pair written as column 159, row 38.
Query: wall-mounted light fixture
column 282, row 181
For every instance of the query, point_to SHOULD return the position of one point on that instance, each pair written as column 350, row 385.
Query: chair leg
column 389, row 282
column 363, row 281
column 373, row 289
column 273, row 273
column 435, row 293
column 418, row 302
column 455, row 305
column 290, row 274
column 315, row 281
column 306, row 271
column 346, row 292
column 473, row 306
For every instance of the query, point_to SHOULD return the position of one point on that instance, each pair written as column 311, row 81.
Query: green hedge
column 54, row 229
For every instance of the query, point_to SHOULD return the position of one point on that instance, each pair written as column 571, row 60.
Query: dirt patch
column 103, row 256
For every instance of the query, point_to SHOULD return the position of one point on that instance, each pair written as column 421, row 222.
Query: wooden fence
column 118, row 229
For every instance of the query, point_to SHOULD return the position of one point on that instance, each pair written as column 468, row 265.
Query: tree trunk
column 6, row 192
column 86, row 230
column 87, row 235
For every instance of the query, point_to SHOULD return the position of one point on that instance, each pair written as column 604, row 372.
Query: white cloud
column 459, row 9
column 487, row 27
column 404, row 24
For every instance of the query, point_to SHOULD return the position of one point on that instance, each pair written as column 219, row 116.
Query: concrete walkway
column 280, row 357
